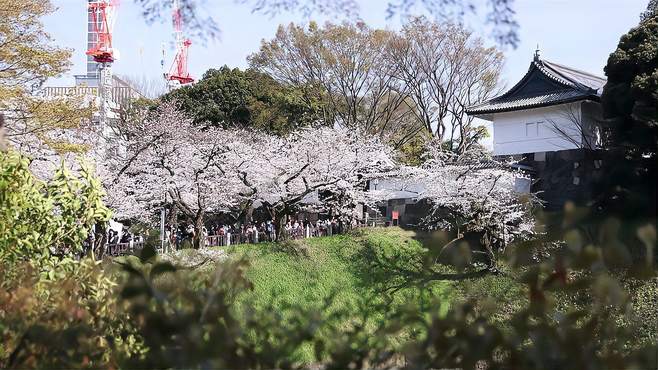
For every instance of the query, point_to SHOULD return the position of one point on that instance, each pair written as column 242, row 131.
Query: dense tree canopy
column 630, row 102
column 351, row 65
column 233, row 98
column 173, row 162
column 631, row 94
column 445, row 69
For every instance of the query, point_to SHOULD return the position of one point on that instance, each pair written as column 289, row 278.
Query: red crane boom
column 178, row 71
column 101, row 48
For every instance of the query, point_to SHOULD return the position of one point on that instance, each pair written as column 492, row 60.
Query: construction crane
column 101, row 15
column 178, row 73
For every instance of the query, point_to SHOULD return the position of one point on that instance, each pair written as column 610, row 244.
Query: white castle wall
column 538, row 130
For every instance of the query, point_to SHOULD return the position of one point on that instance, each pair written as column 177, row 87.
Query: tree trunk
column 280, row 224
column 100, row 240
column 248, row 214
column 172, row 218
column 199, row 239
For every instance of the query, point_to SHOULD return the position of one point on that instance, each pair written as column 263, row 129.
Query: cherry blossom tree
column 195, row 170
column 316, row 168
column 474, row 196
column 169, row 161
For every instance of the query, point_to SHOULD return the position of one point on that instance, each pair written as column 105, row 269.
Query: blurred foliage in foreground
column 40, row 220
column 589, row 285
column 146, row 313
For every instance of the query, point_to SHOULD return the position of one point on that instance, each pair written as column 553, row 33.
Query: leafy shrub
column 72, row 321
column 40, row 219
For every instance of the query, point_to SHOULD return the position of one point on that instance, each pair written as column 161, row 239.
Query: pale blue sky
column 578, row 33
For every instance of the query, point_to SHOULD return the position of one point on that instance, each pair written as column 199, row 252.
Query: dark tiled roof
column 581, row 79
column 544, row 84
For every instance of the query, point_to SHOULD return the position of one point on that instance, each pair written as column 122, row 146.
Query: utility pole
column 104, row 91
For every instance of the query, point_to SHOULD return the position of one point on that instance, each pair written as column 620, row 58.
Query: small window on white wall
column 541, row 128
column 522, row 185
column 531, row 129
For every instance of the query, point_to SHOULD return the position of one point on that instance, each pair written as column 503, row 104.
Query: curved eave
column 569, row 90
column 537, row 65
column 487, row 110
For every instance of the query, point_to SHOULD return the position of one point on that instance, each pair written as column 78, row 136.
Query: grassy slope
column 308, row 272
column 313, row 269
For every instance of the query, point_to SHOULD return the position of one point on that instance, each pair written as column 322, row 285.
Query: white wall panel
column 537, row 130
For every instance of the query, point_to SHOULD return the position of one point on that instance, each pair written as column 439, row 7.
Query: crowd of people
column 222, row 234
column 126, row 237
column 123, row 242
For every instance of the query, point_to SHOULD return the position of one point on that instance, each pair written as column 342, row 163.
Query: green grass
column 311, row 270
column 353, row 272
column 342, row 267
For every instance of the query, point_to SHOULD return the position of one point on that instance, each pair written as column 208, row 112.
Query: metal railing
column 252, row 238
column 224, row 240
column 120, row 249
column 377, row 222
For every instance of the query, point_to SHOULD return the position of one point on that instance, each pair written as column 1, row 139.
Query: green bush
column 39, row 219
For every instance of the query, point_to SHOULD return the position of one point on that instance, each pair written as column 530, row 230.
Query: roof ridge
column 543, row 65
column 561, row 85
column 579, row 71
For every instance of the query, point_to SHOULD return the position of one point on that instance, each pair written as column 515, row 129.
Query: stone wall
column 564, row 175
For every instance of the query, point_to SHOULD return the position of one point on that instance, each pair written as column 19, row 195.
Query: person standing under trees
column 221, row 232
column 126, row 237
column 307, row 228
column 178, row 235
column 248, row 233
column 255, row 233
column 168, row 241
column 113, row 237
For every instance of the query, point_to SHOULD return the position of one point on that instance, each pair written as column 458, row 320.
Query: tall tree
column 234, row 98
column 350, row 66
column 474, row 197
column 334, row 163
column 171, row 162
column 630, row 103
column 27, row 60
column 446, row 69
column 386, row 83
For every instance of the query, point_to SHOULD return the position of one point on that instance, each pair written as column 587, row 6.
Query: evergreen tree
column 228, row 97
column 630, row 104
